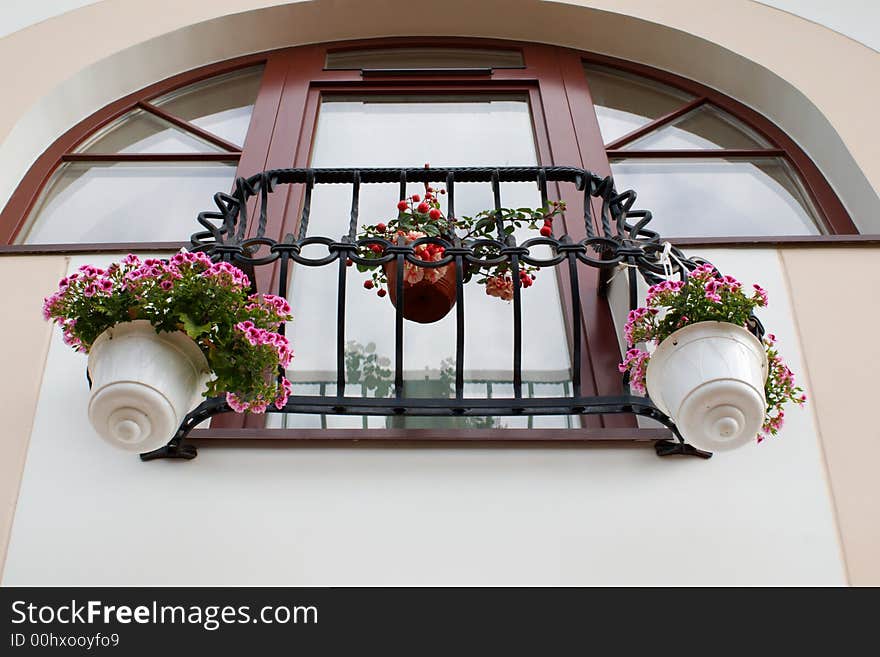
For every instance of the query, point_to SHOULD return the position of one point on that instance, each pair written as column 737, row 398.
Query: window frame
column 567, row 132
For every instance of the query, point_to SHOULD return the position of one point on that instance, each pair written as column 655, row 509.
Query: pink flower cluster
column 413, row 274
column 780, row 388
column 637, row 321
column 636, row 361
column 656, row 292
column 500, row 286
column 179, row 294
column 258, row 337
column 261, row 404
column 715, row 287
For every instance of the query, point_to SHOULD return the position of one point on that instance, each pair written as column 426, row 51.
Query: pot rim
column 178, row 340
column 662, row 351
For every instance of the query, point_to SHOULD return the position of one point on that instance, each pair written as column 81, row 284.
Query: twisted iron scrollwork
column 617, row 236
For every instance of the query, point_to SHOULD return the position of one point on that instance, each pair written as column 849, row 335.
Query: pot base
column 709, row 378
column 143, row 384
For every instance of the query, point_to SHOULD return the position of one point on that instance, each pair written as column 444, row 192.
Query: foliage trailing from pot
column 705, row 297
column 235, row 330
column 419, row 217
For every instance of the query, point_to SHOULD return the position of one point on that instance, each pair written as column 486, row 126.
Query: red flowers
column 421, row 215
column 525, row 279
column 368, row 284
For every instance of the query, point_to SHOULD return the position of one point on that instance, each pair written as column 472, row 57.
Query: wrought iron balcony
column 618, row 236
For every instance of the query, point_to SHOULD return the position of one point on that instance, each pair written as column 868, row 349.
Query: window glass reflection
column 625, row 102
column 141, row 132
column 221, row 105
column 445, row 131
column 706, row 127
column 126, row 202
column 718, row 197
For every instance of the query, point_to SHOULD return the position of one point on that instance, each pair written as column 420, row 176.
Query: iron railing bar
column 588, row 209
column 307, row 205
column 459, row 325
column 422, row 175
column 517, row 320
column 265, row 188
column 282, row 287
column 398, row 323
column 472, row 407
column 459, row 291
column 355, row 206
column 496, row 195
column 398, row 308
column 340, row 328
column 576, row 323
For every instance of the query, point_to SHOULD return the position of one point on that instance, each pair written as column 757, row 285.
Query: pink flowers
column 413, row 274
column 760, row 295
column 500, row 286
column 258, row 337
column 705, row 296
column 211, row 302
column 636, row 361
column 659, row 291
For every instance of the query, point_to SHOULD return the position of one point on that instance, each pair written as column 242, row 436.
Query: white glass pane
column 718, row 198
column 624, row 102
column 460, row 131
column 142, row 132
column 704, row 127
column 126, row 202
column 221, row 105
column 404, row 58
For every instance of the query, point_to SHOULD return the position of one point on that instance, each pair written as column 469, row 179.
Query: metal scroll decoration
column 618, row 236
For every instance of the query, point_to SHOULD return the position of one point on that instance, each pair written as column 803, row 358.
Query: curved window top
column 700, row 170
column 142, row 169
column 144, row 176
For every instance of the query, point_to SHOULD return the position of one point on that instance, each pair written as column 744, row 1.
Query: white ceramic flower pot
column 709, row 378
column 143, row 384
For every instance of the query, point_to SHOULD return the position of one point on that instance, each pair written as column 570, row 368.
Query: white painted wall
column 18, row 14
column 237, row 515
column 857, row 19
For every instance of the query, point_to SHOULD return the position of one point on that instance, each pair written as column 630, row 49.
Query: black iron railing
column 619, row 235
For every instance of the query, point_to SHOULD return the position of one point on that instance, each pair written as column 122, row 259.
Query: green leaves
column 192, row 329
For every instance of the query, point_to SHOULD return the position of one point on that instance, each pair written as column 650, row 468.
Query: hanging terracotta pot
column 428, row 294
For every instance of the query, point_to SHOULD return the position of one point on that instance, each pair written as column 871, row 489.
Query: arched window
column 139, row 171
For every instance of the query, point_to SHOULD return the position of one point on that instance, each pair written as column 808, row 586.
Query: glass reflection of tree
column 366, row 368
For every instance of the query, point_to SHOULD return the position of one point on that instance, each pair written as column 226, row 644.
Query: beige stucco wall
column 833, row 296
column 24, row 281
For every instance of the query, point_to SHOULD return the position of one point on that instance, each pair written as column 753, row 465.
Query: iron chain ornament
column 623, row 239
